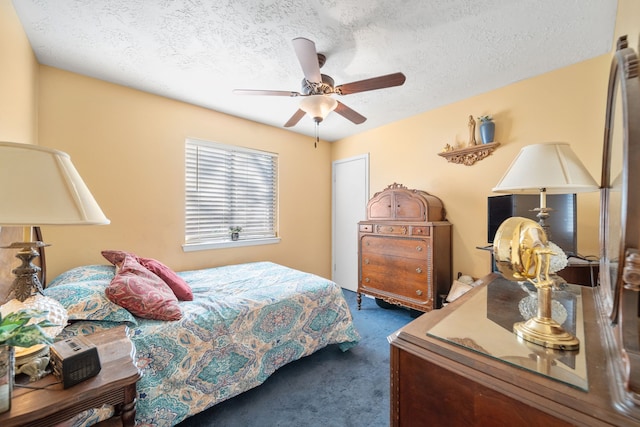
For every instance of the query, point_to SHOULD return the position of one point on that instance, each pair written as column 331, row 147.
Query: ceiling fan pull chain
column 315, row 144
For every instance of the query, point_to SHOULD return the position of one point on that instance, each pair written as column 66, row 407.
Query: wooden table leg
column 128, row 415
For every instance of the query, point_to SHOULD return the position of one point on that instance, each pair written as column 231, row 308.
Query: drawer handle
column 418, row 270
column 366, row 261
column 367, row 280
column 419, row 248
column 419, row 292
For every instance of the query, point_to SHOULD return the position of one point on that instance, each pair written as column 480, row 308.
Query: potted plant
column 15, row 330
column 235, row 232
column 487, row 129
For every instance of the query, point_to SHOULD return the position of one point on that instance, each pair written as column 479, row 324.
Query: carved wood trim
column 469, row 155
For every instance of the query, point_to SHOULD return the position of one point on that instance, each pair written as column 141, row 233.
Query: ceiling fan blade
column 295, row 118
column 349, row 114
column 265, row 92
column 308, row 57
column 390, row 80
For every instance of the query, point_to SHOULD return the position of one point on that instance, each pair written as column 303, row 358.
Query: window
column 229, row 186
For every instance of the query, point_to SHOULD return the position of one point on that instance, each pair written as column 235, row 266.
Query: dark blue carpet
column 328, row 388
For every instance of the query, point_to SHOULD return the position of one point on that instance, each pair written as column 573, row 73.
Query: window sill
column 192, row 247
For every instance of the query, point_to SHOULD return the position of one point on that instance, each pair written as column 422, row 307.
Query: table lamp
column 40, row 186
column 548, row 168
column 522, row 253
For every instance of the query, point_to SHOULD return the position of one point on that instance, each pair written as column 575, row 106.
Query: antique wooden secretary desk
column 463, row 365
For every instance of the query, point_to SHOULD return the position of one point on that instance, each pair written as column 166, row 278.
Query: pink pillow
column 177, row 284
column 142, row 293
column 115, row 257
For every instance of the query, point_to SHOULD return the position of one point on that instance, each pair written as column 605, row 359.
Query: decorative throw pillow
column 87, row 301
column 116, row 257
column 177, row 284
column 84, row 273
column 142, row 293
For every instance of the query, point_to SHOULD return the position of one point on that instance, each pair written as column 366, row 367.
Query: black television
column 562, row 220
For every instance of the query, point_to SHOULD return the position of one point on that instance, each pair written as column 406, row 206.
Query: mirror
column 620, row 225
column 611, row 183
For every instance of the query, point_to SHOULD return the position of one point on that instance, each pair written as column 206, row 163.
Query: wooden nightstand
column 114, row 385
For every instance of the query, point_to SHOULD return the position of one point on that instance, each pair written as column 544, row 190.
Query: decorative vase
column 234, row 236
column 487, row 131
column 7, row 366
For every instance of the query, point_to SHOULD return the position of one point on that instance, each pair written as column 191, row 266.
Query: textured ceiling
column 198, row 51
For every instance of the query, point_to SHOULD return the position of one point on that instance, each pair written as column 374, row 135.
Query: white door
column 350, row 195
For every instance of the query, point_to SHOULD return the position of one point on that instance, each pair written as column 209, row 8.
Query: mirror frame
column 620, row 299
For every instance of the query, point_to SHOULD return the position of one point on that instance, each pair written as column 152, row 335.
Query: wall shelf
column 469, row 155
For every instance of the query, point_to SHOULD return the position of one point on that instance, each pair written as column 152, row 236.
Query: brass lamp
column 522, row 253
column 40, row 186
column 548, row 168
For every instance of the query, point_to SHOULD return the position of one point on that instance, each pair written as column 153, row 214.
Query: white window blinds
column 229, row 186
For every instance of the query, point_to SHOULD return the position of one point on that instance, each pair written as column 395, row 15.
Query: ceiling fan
column 317, row 88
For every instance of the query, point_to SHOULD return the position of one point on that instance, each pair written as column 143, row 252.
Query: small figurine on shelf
column 472, row 132
column 447, row 148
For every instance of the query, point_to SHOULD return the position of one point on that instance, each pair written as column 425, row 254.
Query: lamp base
column 547, row 333
column 26, row 281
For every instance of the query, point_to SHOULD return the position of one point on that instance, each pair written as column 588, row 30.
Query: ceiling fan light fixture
column 318, row 106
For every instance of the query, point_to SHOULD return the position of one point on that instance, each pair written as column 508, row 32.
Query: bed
column 245, row 321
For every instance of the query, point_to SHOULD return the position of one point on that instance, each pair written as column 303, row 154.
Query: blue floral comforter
column 245, row 322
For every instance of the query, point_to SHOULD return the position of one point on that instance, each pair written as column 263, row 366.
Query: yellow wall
column 564, row 105
column 627, row 21
column 18, row 80
column 128, row 146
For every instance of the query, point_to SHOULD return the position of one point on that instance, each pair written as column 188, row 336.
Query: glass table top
column 484, row 324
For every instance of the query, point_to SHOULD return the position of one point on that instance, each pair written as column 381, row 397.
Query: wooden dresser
column 473, row 370
column 404, row 249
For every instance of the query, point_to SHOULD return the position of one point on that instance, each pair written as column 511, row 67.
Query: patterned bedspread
column 245, row 322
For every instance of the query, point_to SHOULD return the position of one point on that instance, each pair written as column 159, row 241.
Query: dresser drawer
column 392, row 229
column 366, row 228
column 408, row 278
column 403, row 247
column 420, row 231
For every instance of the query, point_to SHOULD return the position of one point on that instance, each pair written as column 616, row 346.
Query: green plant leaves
column 15, row 330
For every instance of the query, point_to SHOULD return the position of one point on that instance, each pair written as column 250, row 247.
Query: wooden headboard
column 8, row 260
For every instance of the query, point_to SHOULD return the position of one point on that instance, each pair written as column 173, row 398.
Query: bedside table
column 114, row 385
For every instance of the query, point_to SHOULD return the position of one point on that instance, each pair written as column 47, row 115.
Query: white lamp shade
column 40, row 186
column 552, row 166
column 318, row 106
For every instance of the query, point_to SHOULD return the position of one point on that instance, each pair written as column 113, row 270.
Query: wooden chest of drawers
column 405, row 249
